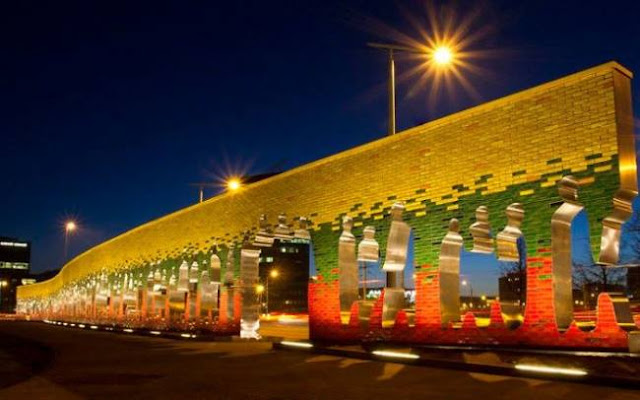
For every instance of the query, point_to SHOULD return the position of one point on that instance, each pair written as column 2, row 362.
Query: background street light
column 272, row 274
column 466, row 283
column 234, row 184
column 2, row 284
column 69, row 227
column 441, row 55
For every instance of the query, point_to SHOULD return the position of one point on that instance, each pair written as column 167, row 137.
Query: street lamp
column 2, row 284
column 234, row 184
column 272, row 274
column 69, row 227
column 465, row 283
column 441, row 55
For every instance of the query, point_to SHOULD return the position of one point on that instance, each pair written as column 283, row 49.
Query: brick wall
column 511, row 149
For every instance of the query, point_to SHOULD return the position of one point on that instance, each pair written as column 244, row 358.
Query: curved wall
column 511, row 149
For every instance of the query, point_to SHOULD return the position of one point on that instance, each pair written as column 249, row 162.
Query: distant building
column 587, row 296
column 15, row 263
column 512, row 287
column 633, row 283
column 287, row 291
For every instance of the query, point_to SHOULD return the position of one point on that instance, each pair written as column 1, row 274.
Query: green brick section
column 429, row 229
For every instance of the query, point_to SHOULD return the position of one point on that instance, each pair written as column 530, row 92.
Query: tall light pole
column 69, row 227
column 2, row 284
column 441, row 55
column 272, row 274
column 465, row 283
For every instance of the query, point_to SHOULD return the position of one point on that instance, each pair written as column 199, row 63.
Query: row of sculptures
column 186, row 297
column 511, row 247
column 192, row 294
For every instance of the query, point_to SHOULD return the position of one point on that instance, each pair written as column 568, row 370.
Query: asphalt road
column 39, row 361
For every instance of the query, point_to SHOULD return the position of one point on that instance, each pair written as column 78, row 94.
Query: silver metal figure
column 612, row 226
column 508, row 249
column 264, row 237
column 561, row 222
column 481, row 232
column 282, row 231
column 368, row 248
column 450, row 274
column 397, row 247
column 250, row 317
column 303, row 229
column 229, row 281
column 395, row 263
column 347, row 266
column 215, row 266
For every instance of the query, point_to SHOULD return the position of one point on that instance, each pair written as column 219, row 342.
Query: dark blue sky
column 110, row 109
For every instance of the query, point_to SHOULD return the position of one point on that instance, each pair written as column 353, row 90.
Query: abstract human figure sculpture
column 160, row 292
column 228, row 280
column 148, row 293
column 612, row 226
column 102, row 296
column 303, row 229
column 183, row 277
column 193, row 274
column 347, row 266
column 368, row 254
column 264, row 237
column 508, row 240
column 250, row 318
column 481, row 232
column 397, row 247
column 282, row 231
column 194, row 277
column 129, row 296
column 215, row 264
column 561, row 246
column 208, row 294
column 368, row 249
column 450, row 274
column 395, row 262
column 215, row 278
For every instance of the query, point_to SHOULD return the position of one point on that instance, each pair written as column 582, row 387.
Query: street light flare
column 274, row 273
column 70, row 226
column 443, row 55
column 234, row 184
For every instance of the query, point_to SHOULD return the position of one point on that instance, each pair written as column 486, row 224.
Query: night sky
column 109, row 110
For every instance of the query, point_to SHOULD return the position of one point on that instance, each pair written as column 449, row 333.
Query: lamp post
column 69, row 227
column 272, row 274
column 2, row 284
column 465, row 283
column 441, row 55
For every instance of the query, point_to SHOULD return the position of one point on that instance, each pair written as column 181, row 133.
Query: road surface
column 39, row 361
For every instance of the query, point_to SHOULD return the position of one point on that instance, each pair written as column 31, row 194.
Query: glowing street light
column 234, row 184
column 2, row 284
column 274, row 273
column 467, row 283
column 441, row 55
column 69, row 227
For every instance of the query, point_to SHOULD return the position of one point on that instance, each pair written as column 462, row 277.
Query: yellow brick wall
column 512, row 138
